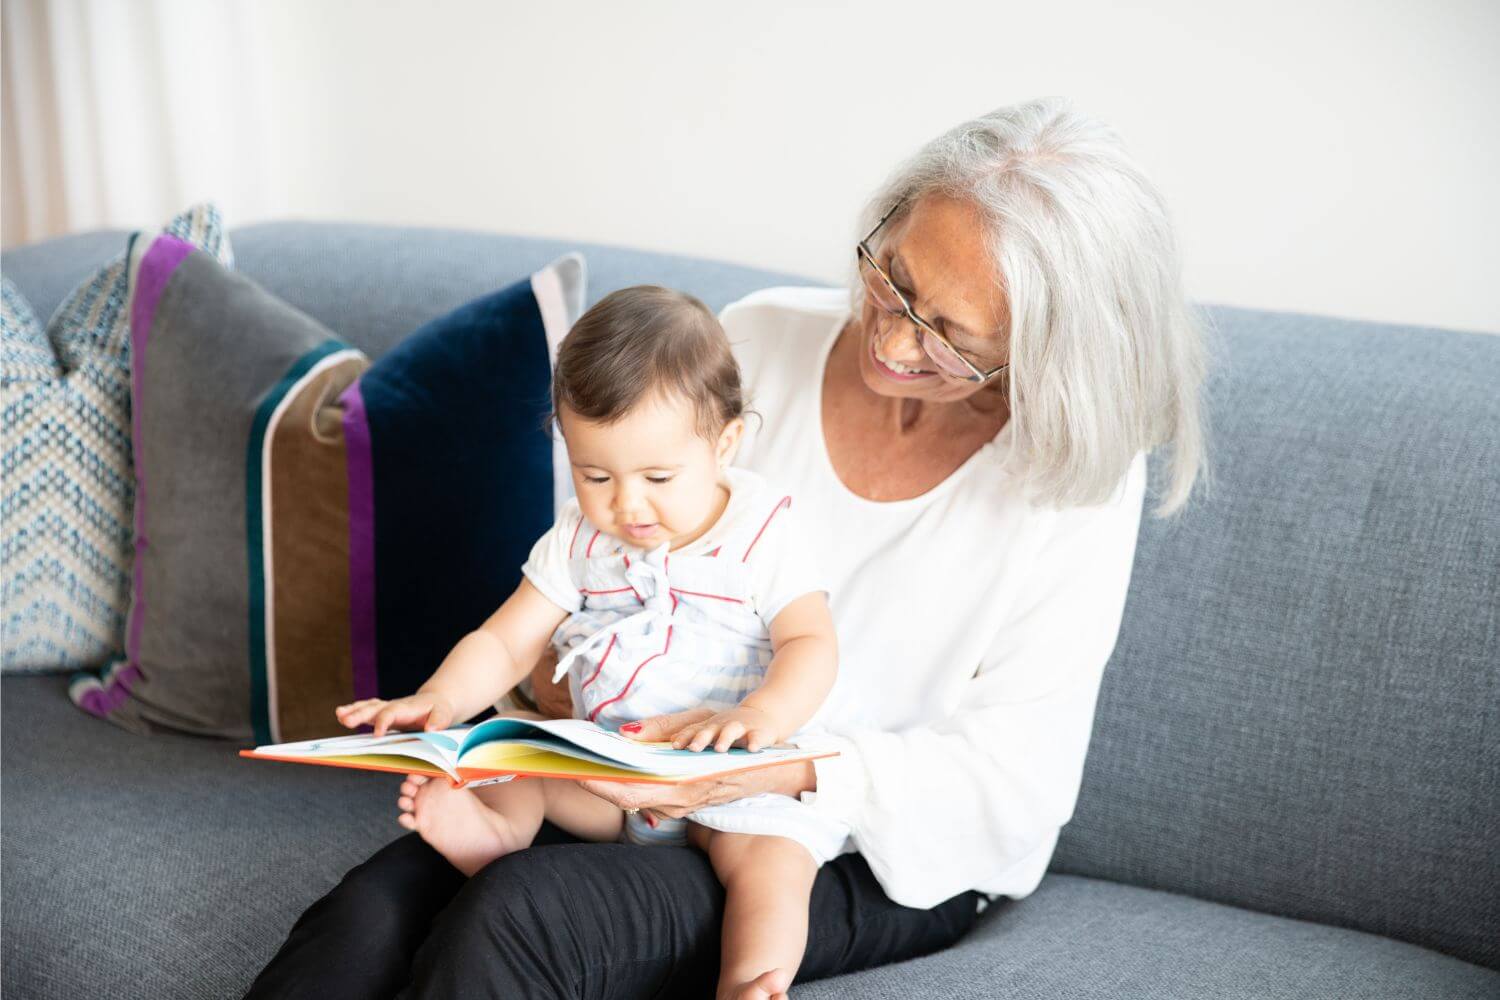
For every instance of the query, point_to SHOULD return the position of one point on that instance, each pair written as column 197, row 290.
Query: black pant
column 570, row 919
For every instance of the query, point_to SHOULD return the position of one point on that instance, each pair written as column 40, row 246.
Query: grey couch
column 1294, row 785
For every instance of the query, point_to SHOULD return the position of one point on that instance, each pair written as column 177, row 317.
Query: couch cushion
column 1299, row 715
column 173, row 868
column 166, row 867
column 1085, row 939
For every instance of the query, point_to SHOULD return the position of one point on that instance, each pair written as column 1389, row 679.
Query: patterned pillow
column 307, row 535
column 65, row 502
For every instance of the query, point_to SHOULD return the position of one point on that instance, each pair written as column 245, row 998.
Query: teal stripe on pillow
column 255, row 519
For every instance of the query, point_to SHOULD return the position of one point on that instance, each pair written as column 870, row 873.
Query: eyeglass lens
column 885, row 296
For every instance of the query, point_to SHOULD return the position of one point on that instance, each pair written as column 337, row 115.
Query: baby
column 672, row 582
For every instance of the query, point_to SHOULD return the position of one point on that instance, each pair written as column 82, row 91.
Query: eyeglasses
column 883, row 292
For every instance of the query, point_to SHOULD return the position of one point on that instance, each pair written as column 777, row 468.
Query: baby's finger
column 704, row 736
column 353, row 715
column 406, row 804
column 384, row 719
column 755, row 739
column 685, row 737
column 407, row 820
column 731, row 732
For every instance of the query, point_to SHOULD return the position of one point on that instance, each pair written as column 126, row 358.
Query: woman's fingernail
column 631, row 727
column 650, row 820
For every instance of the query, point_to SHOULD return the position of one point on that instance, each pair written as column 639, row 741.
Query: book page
column 438, row 748
column 586, row 741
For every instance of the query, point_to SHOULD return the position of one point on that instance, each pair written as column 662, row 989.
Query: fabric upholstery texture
column 458, row 480
column 1300, row 713
column 307, row 536
column 67, row 492
column 222, row 372
column 1085, row 939
column 162, row 867
column 172, row 868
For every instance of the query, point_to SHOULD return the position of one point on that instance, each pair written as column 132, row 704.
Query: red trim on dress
column 607, row 650
column 596, row 593
column 574, row 540
column 784, row 502
column 588, row 553
column 626, row 688
column 696, row 593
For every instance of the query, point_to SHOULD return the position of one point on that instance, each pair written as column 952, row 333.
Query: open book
column 501, row 749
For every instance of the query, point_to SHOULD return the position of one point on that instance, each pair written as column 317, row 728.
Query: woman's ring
column 631, row 812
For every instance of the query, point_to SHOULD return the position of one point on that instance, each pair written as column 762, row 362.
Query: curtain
column 118, row 113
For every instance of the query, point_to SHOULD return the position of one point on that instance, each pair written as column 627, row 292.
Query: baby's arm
column 484, row 666
column 803, row 665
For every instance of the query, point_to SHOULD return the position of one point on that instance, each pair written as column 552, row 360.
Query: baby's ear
column 729, row 440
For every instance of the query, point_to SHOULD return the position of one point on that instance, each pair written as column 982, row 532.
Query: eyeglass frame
column 863, row 255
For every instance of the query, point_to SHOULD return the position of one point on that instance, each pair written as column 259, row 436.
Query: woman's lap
column 568, row 919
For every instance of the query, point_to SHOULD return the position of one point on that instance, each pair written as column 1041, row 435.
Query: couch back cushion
column 1302, row 714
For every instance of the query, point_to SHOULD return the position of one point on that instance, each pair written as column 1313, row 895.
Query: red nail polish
column 631, row 727
column 650, row 820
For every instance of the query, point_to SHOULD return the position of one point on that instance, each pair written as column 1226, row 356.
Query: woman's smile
column 896, row 370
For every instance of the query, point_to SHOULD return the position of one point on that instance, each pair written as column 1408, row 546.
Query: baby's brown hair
column 642, row 340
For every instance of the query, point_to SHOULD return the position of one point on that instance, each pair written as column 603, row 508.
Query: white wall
column 1334, row 157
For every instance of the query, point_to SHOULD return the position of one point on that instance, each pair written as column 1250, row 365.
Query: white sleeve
column 781, row 565
column 977, row 799
column 549, row 565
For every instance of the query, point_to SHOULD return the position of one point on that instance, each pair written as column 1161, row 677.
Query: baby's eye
column 596, row 479
column 658, row 479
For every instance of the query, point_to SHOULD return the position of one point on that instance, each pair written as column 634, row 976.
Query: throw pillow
column 67, row 493
column 307, row 534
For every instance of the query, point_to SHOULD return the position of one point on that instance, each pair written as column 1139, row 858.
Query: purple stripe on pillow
column 157, row 267
column 361, row 542
column 101, row 700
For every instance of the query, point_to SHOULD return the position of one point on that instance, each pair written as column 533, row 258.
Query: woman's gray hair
column 1106, row 357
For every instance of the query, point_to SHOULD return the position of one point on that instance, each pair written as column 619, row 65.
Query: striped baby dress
column 654, row 632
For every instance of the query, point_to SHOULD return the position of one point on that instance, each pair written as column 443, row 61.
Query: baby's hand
column 416, row 711
column 744, row 726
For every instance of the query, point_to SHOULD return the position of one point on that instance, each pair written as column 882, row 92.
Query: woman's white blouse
column 973, row 631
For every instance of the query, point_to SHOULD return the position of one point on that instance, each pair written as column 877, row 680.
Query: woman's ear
column 729, row 441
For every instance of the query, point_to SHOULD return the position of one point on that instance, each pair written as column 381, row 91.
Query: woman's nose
column 898, row 341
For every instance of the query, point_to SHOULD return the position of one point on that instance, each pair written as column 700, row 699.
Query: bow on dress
column 646, row 576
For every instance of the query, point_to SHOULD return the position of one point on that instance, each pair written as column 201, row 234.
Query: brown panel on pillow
column 309, row 666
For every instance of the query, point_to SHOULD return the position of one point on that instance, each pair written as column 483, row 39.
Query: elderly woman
column 968, row 442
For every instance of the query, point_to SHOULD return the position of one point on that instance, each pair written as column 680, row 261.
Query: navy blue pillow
column 450, row 476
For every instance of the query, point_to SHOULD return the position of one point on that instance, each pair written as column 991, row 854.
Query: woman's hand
column 677, row 801
column 424, row 711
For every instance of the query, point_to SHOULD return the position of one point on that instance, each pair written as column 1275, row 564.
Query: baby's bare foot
column 766, row 986
column 457, row 825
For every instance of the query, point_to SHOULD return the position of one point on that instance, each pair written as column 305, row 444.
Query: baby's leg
column 472, row 827
column 768, row 886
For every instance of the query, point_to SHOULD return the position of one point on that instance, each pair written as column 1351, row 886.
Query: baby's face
column 649, row 477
